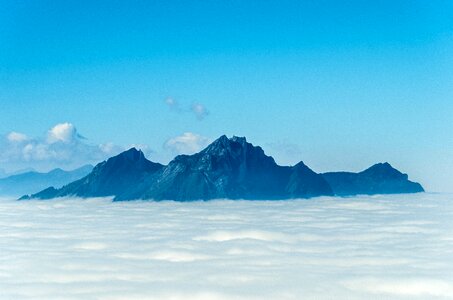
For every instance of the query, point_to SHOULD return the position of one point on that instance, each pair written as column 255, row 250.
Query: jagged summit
column 225, row 144
column 133, row 155
column 227, row 168
column 129, row 159
column 235, row 148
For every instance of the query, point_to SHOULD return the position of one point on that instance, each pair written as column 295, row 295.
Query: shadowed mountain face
column 234, row 169
column 380, row 178
column 32, row 182
column 228, row 168
column 113, row 177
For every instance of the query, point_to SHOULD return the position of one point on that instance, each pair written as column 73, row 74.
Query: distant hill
column 32, row 182
column 228, row 168
column 4, row 174
column 380, row 178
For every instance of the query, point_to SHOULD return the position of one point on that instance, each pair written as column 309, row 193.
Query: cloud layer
column 377, row 247
column 62, row 146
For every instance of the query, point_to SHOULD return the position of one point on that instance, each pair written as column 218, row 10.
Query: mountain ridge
column 32, row 181
column 371, row 181
column 229, row 168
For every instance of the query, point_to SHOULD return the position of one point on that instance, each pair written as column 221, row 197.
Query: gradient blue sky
column 338, row 84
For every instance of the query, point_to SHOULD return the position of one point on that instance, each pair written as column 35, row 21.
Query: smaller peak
column 222, row 139
column 383, row 166
column 56, row 171
column 300, row 164
column 131, row 154
column 133, row 150
column 384, row 169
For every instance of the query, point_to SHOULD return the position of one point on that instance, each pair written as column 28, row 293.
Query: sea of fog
column 370, row 247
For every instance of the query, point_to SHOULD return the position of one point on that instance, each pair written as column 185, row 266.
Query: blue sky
column 338, row 84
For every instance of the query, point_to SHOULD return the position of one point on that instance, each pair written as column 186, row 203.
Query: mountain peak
column 127, row 161
column 382, row 168
column 128, row 157
column 224, row 140
column 131, row 154
column 300, row 165
column 236, row 148
column 224, row 144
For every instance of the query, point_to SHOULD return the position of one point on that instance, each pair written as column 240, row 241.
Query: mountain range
column 32, row 181
column 228, row 168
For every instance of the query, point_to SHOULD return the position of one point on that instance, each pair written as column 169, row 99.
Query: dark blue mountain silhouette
column 227, row 168
column 380, row 178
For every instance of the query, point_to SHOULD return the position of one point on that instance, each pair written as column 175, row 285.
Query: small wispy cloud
column 16, row 137
column 198, row 109
column 172, row 104
column 187, row 143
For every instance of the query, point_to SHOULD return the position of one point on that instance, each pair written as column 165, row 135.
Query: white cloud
column 172, row 104
column 187, row 143
column 109, row 148
column 64, row 132
column 62, row 146
column 199, row 110
column 412, row 287
column 16, row 137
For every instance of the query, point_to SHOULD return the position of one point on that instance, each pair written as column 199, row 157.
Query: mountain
column 233, row 169
column 380, row 178
column 117, row 176
column 30, row 182
column 4, row 174
column 228, row 168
